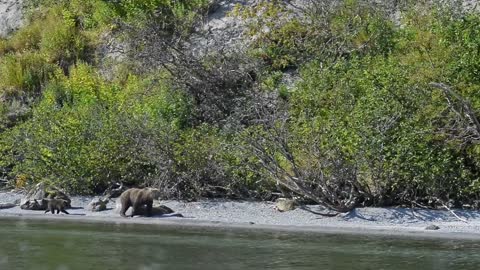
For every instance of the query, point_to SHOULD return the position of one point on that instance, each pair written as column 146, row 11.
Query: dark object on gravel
column 157, row 210
column 176, row 215
column 7, row 205
column 161, row 210
column 432, row 227
column 34, row 205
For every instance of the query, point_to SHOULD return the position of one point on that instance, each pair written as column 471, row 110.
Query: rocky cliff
column 11, row 16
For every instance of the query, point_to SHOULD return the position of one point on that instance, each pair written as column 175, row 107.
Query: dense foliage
column 383, row 109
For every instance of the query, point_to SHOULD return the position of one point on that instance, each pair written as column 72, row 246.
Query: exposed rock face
column 220, row 31
column 112, row 51
column 11, row 16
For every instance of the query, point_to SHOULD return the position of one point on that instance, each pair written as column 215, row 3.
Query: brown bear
column 137, row 198
column 56, row 204
column 57, row 194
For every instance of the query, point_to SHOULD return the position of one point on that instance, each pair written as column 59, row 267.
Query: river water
column 52, row 245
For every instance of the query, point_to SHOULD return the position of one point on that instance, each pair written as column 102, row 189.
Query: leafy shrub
column 61, row 42
column 379, row 116
column 170, row 12
column 362, row 125
column 23, row 75
column 283, row 38
column 12, row 112
column 26, row 38
column 369, row 109
column 86, row 134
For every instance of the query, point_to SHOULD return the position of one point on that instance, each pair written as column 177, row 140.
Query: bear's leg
column 135, row 209
column 149, row 208
column 124, row 209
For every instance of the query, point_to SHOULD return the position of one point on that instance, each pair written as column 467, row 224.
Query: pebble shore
column 263, row 215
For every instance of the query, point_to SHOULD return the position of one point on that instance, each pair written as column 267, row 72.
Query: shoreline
column 191, row 225
column 228, row 216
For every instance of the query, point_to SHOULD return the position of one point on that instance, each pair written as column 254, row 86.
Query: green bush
column 367, row 113
column 24, row 75
column 25, row 39
column 362, row 119
column 87, row 133
column 61, row 42
column 285, row 39
column 169, row 11
column 363, row 114
column 51, row 38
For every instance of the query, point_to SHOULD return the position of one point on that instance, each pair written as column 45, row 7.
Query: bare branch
column 465, row 126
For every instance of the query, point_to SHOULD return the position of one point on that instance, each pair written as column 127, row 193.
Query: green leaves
column 87, row 132
column 24, row 75
column 362, row 109
column 381, row 113
column 285, row 38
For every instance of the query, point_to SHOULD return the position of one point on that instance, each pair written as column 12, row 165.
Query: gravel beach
column 263, row 216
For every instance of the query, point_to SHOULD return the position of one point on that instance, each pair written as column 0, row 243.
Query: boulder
column 36, row 193
column 284, row 204
column 158, row 210
column 97, row 205
column 34, row 205
column 36, row 197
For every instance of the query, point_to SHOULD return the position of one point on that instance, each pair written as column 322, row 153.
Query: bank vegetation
column 343, row 103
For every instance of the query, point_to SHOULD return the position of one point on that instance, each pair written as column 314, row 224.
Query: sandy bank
column 245, row 215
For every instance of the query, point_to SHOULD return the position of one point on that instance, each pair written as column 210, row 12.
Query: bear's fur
column 56, row 204
column 57, row 194
column 137, row 198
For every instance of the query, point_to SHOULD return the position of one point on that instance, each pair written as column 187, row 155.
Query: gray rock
column 11, row 16
column 36, row 197
column 34, row 205
column 37, row 193
column 111, row 52
column 220, row 31
column 97, row 205
column 284, row 204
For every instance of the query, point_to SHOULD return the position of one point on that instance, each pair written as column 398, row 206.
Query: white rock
column 11, row 16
